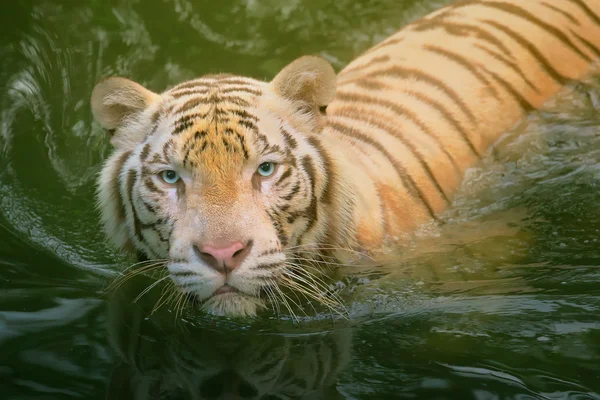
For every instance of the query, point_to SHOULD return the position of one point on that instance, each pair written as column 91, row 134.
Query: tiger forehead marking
column 240, row 184
column 213, row 124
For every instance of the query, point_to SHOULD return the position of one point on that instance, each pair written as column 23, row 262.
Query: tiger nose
column 223, row 257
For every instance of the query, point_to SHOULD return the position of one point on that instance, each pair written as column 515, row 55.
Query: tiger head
column 222, row 176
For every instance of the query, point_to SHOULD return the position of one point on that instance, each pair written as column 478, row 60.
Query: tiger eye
column 266, row 169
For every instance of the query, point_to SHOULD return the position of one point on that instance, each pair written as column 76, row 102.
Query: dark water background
column 503, row 303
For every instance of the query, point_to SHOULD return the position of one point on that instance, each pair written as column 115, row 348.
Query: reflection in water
column 162, row 357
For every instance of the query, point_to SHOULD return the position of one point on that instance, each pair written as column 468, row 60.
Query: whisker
column 285, row 302
column 116, row 284
column 319, row 298
column 149, row 288
column 292, row 284
column 312, row 289
column 179, row 304
column 153, row 261
column 316, row 279
column 336, row 264
column 272, row 299
column 170, row 285
column 326, row 247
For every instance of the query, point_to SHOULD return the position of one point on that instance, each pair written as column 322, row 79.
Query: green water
column 504, row 303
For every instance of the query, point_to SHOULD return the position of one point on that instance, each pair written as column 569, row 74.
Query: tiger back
column 236, row 185
column 424, row 105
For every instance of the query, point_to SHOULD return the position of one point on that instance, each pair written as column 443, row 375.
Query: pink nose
column 223, row 258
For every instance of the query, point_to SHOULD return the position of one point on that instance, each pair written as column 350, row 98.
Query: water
column 503, row 302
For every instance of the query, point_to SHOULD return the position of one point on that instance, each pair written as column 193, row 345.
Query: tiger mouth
column 226, row 288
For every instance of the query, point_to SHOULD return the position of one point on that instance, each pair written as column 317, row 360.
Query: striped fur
column 408, row 118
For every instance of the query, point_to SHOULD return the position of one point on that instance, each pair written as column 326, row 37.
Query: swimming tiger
column 236, row 181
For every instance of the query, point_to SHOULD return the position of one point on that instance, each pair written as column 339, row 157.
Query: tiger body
column 235, row 180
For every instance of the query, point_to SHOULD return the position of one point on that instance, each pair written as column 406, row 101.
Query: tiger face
column 221, row 176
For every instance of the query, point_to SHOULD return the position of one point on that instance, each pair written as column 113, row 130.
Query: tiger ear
column 116, row 99
column 308, row 79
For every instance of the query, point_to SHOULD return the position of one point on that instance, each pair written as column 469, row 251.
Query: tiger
column 242, row 185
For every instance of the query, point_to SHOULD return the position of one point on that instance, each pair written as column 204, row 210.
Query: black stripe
column 244, row 114
column 231, row 89
column 461, row 30
column 562, row 12
column 467, row 64
column 157, row 159
column 149, row 182
column 376, row 122
column 188, row 92
column 269, row 252
column 271, row 149
column 593, row 16
column 326, row 196
column 154, row 120
column 522, row 13
column 146, row 171
column 186, row 150
column 116, row 185
column 261, row 141
column 250, row 125
column 242, row 142
column 309, row 168
column 311, row 211
column 411, row 73
column 237, row 100
column 283, row 239
column 166, row 148
column 131, row 178
column 294, row 191
column 289, row 140
column 151, row 209
column 535, row 53
column 406, row 179
column 145, row 152
column 190, row 117
column 286, row 174
column 182, row 127
column 191, row 103
column 370, row 63
column 524, row 103
column 511, row 65
column 369, row 83
column 514, row 93
column 269, row 266
column 193, row 84
column 417, row 121
column 593, row 48
column 183, row 274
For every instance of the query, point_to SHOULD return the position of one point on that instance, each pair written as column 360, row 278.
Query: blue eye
column 169, row 176
column 266, row 169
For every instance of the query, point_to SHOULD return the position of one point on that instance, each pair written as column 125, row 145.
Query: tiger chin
column 233, row 304
column 246, row 188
